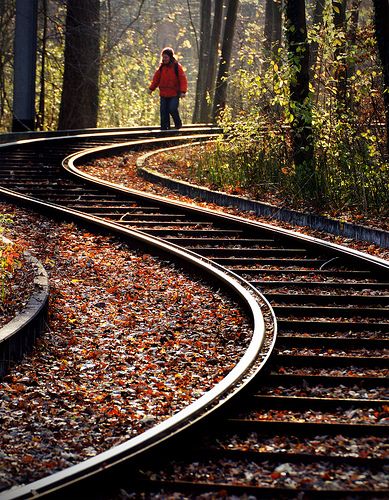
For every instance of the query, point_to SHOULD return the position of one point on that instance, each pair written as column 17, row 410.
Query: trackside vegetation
column 349, row 169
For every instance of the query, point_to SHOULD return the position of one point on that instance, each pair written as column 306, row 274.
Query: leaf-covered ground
column 127, row 345
column 55, row 412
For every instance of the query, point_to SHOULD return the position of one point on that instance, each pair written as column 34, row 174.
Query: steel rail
column 12, row 137
column 111, row 135
column 284, row 213
column 247, row 367
column 70, row 163
column 382, row 267
column 356, row 260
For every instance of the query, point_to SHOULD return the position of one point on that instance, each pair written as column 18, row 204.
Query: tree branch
column 194, row 28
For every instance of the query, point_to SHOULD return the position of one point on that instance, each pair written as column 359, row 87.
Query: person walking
column 173, row 84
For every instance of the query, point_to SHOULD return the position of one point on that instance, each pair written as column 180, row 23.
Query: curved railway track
column 312, row 424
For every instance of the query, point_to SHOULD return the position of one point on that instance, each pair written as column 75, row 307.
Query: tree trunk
column 7, row 14
column 353, row 27
column 205, row 35
column 313, row 49
column 272, row 30
column 381, row 22
column 300, row 108
column 219, row 102
column 25, row 65
column 268, row 29
column 205, row 115
column 79, row 100
column 354, row 19
column 42, row 93
column 339, row 16
column 277, row 26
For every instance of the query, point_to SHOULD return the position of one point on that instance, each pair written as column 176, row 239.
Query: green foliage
column 53, row 81
column 123, row 97
column 4, row 219
column 351, row 170
column 342, row 112
column 9, row 261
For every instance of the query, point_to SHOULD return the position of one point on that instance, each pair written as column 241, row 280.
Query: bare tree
column 113, row 37
column 220, row 98
column 206, row 110
column 381, row 21
column 79, row 101
column 205, row 38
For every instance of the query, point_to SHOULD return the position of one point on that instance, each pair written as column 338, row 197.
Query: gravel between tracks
column 318, row 475
column 126, row 347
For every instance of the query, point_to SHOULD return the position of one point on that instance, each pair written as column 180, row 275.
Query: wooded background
column 307, row 79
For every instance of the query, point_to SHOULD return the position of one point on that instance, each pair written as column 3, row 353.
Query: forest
column 299, row 87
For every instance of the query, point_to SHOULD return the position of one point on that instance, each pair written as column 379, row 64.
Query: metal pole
column 25, row 44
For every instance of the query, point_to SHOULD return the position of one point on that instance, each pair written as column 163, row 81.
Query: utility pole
column 25, row 44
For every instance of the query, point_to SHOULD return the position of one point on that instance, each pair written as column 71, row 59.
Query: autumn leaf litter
column 316, row 476
column 130, row 341
column 16, row 286
column 76, row 349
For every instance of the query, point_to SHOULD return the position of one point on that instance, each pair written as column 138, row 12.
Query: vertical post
column 25, row 44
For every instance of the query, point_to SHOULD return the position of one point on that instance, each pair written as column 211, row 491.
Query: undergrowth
column 347, row 177
column 348, row 169
column 341, row 142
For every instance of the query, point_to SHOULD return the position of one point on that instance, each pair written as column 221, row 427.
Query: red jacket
column 167, row 80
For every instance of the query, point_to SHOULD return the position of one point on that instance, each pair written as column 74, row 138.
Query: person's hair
column 170, row 52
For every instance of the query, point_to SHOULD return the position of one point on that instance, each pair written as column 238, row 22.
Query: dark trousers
column 169, row 106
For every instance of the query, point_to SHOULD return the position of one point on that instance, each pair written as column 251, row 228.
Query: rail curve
column 293, row 430
column 251, row 362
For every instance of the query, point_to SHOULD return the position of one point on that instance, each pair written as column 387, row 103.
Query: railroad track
column 312, row 423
